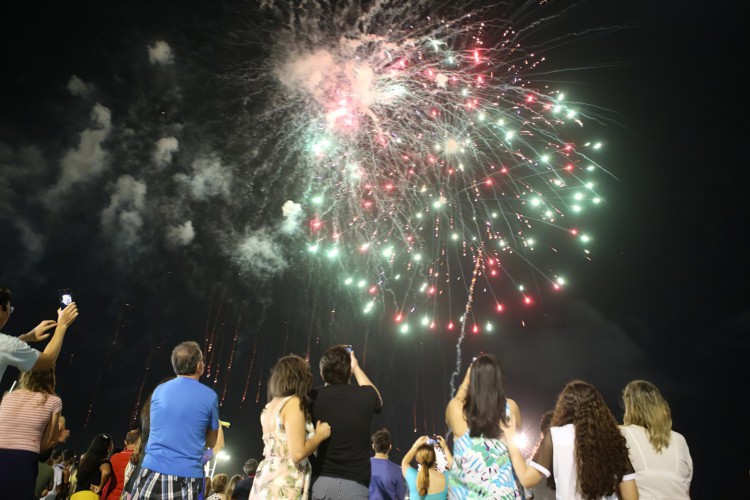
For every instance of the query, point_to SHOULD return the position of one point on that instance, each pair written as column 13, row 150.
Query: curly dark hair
column 601, row 452
column 485, row 402
column 336, row 365
column 291, row 376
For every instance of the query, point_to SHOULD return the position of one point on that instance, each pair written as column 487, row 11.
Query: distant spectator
column 45, row 474
column 427, row 483
column 231, row 486
column 243, row 487
column 481, row 463
column 184, row 421
column 583, row 442
column 660, row 456
column 288, row 433
column 341, row 468
column 218, row 485
column 55, row 486
column 545, row 490
column 386, row 480
column 121, row 460
column 14, row 351
column 69, row 457
column 95, row 470
column 29, row 425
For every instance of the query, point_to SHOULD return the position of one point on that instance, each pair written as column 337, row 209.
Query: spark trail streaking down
column 434, row 169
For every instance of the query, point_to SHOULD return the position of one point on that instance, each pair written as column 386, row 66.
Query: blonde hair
column 42, row 381
column 425, row 457
column 645, row 406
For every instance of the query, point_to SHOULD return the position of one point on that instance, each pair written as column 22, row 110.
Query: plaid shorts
column 152, row 485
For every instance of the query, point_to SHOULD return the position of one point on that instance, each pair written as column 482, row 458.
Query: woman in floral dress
column 288, row 433
column 481, row 463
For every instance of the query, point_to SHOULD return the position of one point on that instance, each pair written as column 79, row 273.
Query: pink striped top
column 23, row 418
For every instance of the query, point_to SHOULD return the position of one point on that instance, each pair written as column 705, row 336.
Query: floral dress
column 482, row 469
column 278, row 476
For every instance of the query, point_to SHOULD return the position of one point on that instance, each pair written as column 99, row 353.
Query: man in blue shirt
column 387, row 480
column 184, row 422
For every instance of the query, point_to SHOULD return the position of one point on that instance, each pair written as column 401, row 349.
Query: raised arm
column 446, row 451
column 406, row 461
column 361, row 376
column 48, row 357
column 294, row 423
column 454, row 413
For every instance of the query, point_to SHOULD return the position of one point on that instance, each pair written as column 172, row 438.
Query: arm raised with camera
column 48, row 357
column 361, row 376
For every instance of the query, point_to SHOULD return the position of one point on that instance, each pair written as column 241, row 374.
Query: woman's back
column 438, row 489
column 659, row 475
column 482, row 468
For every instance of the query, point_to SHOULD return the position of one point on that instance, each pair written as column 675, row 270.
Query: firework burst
column 435, row 168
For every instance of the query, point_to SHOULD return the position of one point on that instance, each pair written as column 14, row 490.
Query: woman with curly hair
column 288, row 433
column 584, row 448
column 29, row 424
column 660, row 456
column 481, row 464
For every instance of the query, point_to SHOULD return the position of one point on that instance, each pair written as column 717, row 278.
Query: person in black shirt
column 341, row 469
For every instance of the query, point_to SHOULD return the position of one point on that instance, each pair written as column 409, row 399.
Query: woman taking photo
column 288, row 433
column 481, row 464
column 427, row 483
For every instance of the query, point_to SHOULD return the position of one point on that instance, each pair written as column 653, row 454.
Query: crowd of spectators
column 318, row 441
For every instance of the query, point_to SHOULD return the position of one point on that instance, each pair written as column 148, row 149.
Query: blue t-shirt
column 411, row 480
column 386, row 480
column 182, row 410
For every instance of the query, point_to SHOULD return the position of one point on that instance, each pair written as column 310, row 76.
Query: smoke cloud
column 160, row 53
column 122, row 220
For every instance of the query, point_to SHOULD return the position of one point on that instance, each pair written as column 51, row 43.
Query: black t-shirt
column 348, row 409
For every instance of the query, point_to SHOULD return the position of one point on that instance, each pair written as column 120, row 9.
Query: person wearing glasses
column 15, row 351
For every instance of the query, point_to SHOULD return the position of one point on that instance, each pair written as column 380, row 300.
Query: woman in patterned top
column 481, row 463
column 288, row 433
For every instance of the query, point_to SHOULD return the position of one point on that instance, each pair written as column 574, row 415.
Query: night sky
column 661, row 298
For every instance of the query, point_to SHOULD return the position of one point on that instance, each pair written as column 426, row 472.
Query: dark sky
column 661, row 299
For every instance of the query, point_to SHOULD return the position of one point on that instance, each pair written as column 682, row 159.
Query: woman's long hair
column 645, row 406
column 426, row 458
column 601, row 453
column 42, row 381
column 98, row 451
column 485, row 403
column 291, row 376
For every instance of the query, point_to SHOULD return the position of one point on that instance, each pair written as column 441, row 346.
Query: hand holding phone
column 349, row 349
column 433, row 440
column 66, row 297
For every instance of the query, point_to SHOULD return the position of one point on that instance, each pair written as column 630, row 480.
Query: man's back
column 387, row 481
column 182, row 410
column 349, row 410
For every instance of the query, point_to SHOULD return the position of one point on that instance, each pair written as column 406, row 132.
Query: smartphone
column 66, row 297
column 349, row 349
column 433, row 440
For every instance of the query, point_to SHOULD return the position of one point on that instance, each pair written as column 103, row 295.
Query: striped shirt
column 23, row 418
